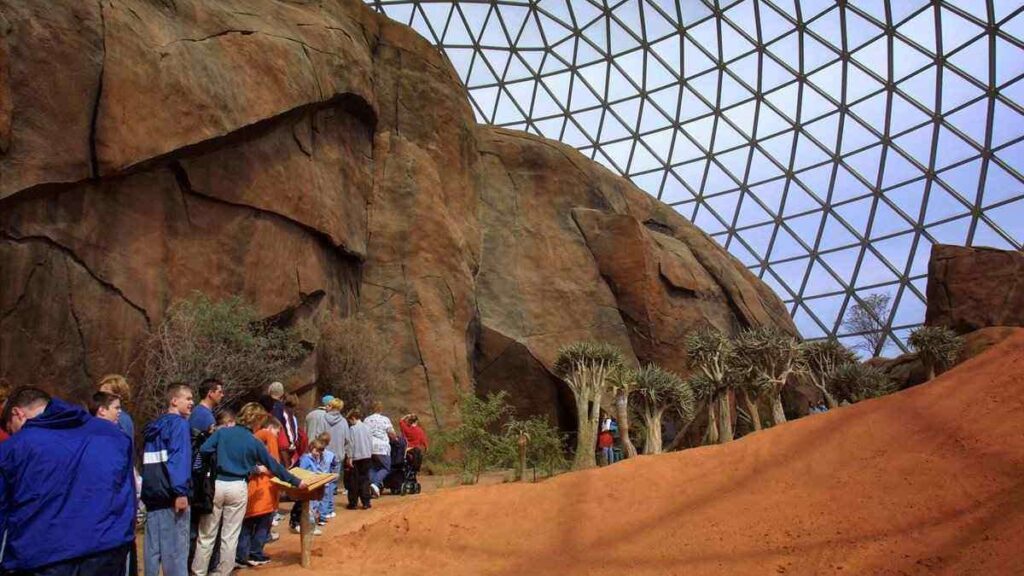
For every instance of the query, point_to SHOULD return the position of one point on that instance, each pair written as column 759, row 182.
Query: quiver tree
column 767, row 357
column 658, row 391
column 824, row 358
column 752, row 388
column 938, row 348
column 585, row 367
column 623, row 383
column 855, row 382
column 711, row 356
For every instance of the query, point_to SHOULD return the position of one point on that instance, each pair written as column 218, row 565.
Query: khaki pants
column 229, row 500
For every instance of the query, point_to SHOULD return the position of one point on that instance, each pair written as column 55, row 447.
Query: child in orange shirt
column 262, row 504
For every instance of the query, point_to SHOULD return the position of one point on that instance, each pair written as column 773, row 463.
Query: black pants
column 295, row 517
column 358, row 482
column 107, row 563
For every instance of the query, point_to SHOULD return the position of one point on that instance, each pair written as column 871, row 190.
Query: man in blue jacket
column 67, row 490
column 166, row 482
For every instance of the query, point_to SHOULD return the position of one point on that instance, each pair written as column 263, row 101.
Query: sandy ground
column 930, row 480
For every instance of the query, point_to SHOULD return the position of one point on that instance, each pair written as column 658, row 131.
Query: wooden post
column 306, row 534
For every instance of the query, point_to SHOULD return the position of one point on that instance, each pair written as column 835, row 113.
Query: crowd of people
column 72, row 489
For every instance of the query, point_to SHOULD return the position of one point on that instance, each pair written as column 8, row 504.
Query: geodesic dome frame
column 825, row 144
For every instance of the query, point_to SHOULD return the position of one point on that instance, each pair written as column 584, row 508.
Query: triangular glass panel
column 706, row 221
column 751, row 212
column 873, row 271
column 724, row 204
column 842, row 262
column 806, row 226
column 973, row 60
column 898, row 169
column 735, row 162
column 952, row 232
column 835, row 235
column 921, row 87
column 757, row 239
column 908, row 198
column 855, row 214
column 887, row 221
column 799, row 200
column 779, row 147
column 1007, row 217
column 685, row 150
column 773, row 24
column 952, row 149
column 859, row 30
column 856, row 135
column 808, row 153
column 905, row 115
column 1007, row 124
column 859, row 83
column 770, row 194
column 1008, row 60
column 786, row 246
column 692, row 106
column 727, row 138
column 963, row 178
column 985, row 235
column 643, row 160
column 847, row 186
column 718, row 180
column 770, row 123
column 825, row 130
column 1000, row 185
column 695, row 61
column 674, row 190
column 921, row 30
column 957, row 31
column 817, row 180
column 942, row 205
column 956, row 90
column 866, row 162
column 762, row 168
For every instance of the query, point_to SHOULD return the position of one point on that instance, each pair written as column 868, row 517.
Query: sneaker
column 277, row 520
column 296, row 530
column 331, row 515
column 274, row 537
column 317, row 531
column 366, row 506
column 351, row 507
column 241, row 566
column 259, row 561
column 375, row 490
column 321, row 522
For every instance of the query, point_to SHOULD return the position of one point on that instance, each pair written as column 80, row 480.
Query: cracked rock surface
column 316, row 154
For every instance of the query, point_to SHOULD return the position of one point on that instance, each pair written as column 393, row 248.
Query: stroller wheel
column 405, row 488
column 416, row 488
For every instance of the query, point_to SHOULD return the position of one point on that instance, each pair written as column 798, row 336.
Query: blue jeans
column 108, row 563
column 254, row 535
column 166, row 542
column 380, row 466
column 327, row 504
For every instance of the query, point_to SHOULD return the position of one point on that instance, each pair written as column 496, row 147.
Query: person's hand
column 261, row 469
column 303, row 485
column 180, row 504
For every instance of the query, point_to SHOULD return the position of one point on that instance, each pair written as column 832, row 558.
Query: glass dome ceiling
column 825, row 144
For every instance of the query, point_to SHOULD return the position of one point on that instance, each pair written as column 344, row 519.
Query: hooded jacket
column 340, row 443
column 166, row 461
column 316, row 423
column 67, row 489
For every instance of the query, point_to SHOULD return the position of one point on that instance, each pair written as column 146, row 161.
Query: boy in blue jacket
column 67, row 490
column 166, row 482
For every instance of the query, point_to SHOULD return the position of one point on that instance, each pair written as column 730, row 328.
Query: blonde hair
column 252, row 416
column 318, row 445
column 335, row 405
column 324, row 437
column 117, row 385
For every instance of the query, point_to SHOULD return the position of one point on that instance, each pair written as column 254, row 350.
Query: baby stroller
column 402, row 478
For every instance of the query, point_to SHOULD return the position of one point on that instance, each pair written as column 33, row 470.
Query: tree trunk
column 830, row 400
column 930, row 366
column 652, row 438
column 755, row 414
column 586, row 436
column 725, row 433
column 712, row 434
column 622, row 407
column 522, row 456
column 778, row 414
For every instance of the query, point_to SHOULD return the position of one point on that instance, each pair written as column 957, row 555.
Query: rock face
column 317, row 155
column 972, row 288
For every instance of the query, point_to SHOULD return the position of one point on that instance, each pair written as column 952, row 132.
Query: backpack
column 204, row 475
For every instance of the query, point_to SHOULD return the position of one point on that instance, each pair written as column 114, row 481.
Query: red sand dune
column 930, row 480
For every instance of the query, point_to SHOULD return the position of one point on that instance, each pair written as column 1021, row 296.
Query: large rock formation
column 972, row 288
column 316, row 155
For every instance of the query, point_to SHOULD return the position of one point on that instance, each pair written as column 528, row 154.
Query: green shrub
column 937, row 346
column 201, row 338
column 855, row 382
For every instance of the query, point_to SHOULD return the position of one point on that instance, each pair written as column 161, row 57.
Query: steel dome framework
column 826, row 144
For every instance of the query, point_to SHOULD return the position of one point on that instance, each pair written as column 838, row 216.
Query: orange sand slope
column 930, row 480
